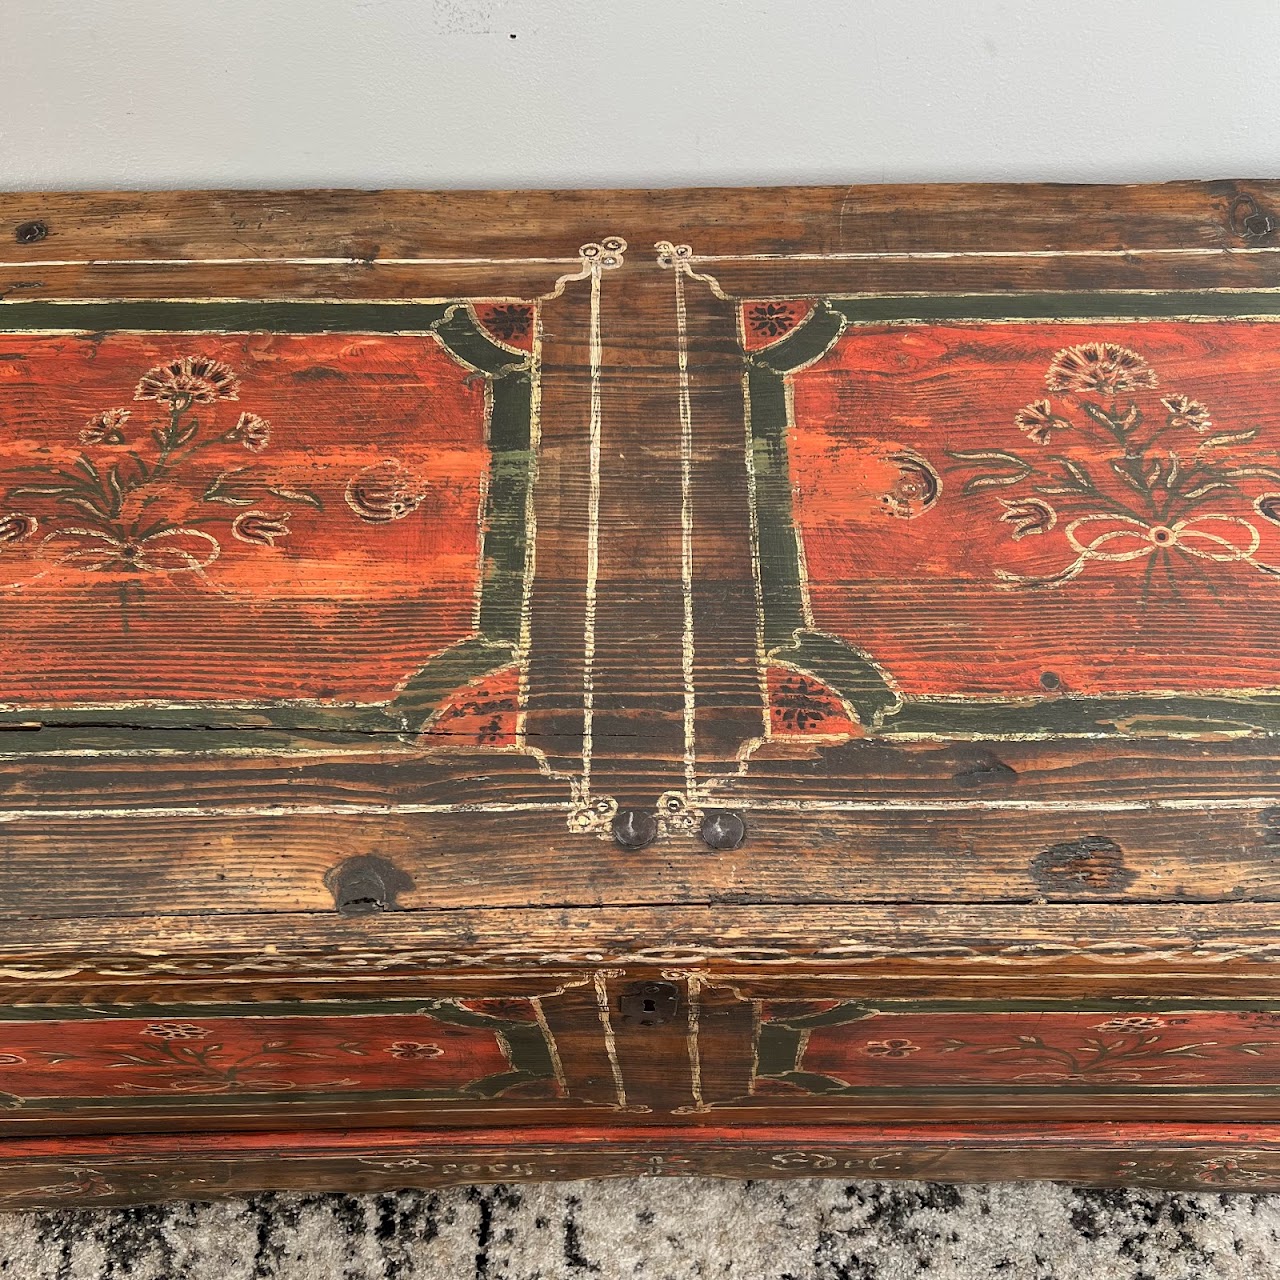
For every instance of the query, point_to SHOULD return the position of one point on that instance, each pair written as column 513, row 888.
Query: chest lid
column 825, row 575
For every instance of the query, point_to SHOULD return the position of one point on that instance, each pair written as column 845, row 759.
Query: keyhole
column 649, row 1004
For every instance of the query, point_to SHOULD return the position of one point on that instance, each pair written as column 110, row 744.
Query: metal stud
column 30, row 232
column 635, row 828
column 366, row 884
column 723, row 829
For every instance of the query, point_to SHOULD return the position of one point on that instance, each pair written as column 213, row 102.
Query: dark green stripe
column 331, row 1100
column 229, row 317
column 446, row 1011
column 1142, row 1006
column 776, row 535
column 1137, row 716
column 195, row 1012
column 1057, row 306
column 1013, row 1090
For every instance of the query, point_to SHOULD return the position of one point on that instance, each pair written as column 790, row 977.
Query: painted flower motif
column 1130, row 1024
column 384, row 492
column 1185, row 412
column 175, row 1031
column 1099, row 368
column 1027, row 516
column 1267, row 505
column 1037, row 420
column 105, row 427
column 187, row 381
column 801, row 704
column 11, row 1060
column 414, row 1049
column 17, row 527
column 890, row 1048
column 260, row 527
column 772, row 319
column 251, row 431
column 916, row 488
column 507, row 322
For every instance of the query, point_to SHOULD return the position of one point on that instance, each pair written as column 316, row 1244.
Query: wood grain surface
column 52, row 1173
column 741, row 653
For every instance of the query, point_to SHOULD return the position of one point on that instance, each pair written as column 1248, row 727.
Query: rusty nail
column 1259, row 224
column 1249, row 219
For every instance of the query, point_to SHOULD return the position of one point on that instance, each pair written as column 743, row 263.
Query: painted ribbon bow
column 1124, row 538
column 167, row 551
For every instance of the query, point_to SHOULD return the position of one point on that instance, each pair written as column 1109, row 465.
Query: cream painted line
column 530, row 534
column 236, row 753
column 240, row 300
column 279, row 810
column 552, row 806
column 687, row 638
column 996, row 322
column 291, row 262
column 847, row 256
column 694, row 988
column 847, row 294
column 553, row 1049
column 1036, row 806
column 601, row 984
column 942, row 255
column 753, row 515
column 593, row 543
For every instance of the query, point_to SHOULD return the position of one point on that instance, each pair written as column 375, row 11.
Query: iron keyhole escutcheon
column 649, row 1004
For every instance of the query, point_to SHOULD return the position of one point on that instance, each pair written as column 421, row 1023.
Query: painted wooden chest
column 520, row 685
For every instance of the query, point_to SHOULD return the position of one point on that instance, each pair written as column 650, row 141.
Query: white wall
column 436, row 93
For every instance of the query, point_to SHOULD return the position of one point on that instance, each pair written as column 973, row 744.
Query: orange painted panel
column 1004, row 508
column 280, row 516
column 192, row 1053
column 926, row 1050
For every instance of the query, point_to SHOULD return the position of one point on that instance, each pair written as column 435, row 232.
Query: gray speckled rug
column 664, row 1229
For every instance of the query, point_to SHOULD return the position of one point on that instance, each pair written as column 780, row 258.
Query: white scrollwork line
column 594, row 257
column 588, row 813
column 1137, row 538
column 681, row 259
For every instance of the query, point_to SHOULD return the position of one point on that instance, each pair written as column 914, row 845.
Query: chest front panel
column 690, row 656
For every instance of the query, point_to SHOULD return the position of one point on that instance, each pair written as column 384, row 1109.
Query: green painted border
column 504, row 550
column 853, row 673
column 780, row 1042
column 527, row 1046
column 788, row 636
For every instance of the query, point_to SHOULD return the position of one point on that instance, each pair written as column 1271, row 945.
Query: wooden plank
column 1192, row 1156
column 182, row 859
column 398, row 224
column 1191, row 947
column 368, row 244
column 52, row 768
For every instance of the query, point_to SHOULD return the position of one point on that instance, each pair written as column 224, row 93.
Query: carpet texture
column 664, row 1229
